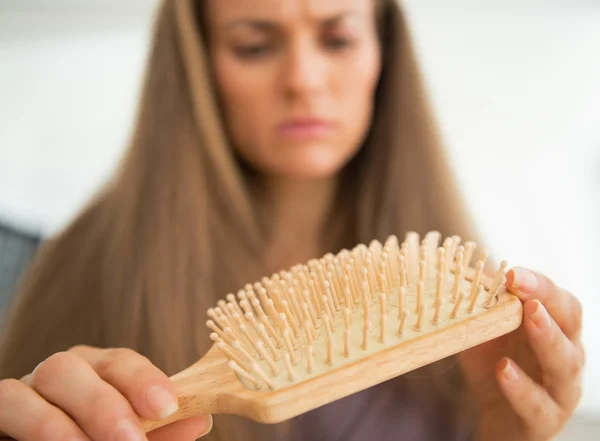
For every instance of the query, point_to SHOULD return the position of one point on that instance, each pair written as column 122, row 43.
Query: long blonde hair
column 175, row 229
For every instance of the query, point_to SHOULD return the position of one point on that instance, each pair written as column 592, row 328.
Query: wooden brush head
column 342, row 323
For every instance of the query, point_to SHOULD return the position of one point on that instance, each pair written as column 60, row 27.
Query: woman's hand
column 528, row 382
column 91, row 394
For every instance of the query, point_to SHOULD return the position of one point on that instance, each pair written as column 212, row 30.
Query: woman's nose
column 305, row 70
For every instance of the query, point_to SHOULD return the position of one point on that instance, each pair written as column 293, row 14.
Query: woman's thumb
column 185, row 430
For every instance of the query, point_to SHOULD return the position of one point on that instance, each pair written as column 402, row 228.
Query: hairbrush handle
column 202, row 389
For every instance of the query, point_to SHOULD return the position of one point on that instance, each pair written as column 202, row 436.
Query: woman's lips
column 304, row 129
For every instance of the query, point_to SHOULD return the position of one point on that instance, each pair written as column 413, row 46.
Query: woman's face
column 296, row 80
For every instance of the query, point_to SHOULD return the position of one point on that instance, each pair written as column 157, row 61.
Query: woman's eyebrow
column 342, row 15
column 260, row 24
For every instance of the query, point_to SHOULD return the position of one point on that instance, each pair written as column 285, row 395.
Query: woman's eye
column 252, row 51
column 338, row 43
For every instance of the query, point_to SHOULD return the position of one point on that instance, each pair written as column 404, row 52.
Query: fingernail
column 524, row 281
column 208, row 427
column 126, row 431
column 538, row 314
column 162, row 402
column 509, row 372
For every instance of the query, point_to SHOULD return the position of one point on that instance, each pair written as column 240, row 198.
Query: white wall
column 69, row 78
column 516, row 85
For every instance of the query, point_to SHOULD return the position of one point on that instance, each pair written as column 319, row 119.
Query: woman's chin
column 309, row 168
column 310, row 164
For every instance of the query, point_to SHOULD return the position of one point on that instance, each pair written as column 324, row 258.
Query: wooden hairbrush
column 343, row 323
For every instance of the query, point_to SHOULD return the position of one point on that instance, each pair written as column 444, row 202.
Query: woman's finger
column 562, row 306
column 146, row 387
column 540, row 414
column 185, row 430
column 41, row 422
column 560, row 360
column 70, row 383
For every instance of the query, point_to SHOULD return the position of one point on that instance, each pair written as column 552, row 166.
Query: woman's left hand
column 528, row 382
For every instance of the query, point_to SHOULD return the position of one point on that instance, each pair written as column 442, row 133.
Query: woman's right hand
column 92, row 394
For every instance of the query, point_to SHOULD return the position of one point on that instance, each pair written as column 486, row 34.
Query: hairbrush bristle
column 319, row 316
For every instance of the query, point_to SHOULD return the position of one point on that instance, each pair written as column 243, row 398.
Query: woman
column 270, row 132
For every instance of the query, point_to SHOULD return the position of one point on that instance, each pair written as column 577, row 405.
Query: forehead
column 284, row 10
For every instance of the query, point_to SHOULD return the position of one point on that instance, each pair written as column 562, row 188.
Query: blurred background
column 516, row 84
